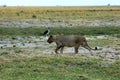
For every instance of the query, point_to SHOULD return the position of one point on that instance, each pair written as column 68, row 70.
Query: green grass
column 32, row 31
column 57, row 68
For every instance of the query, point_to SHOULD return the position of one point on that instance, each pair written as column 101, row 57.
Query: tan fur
column 69, row 41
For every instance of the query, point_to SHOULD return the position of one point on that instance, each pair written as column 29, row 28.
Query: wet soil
column 38, row 45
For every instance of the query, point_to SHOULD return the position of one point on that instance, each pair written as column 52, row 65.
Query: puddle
column 25, row 42
column 97, row 37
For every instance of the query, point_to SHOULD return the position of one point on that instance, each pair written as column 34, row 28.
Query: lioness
column 69, row 41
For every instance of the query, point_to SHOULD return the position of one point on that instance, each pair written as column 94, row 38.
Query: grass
column 60, row 14
column 33, row 31
column 49, row 67
column 65, row 13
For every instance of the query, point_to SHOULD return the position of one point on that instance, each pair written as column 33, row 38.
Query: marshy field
column 26, row 55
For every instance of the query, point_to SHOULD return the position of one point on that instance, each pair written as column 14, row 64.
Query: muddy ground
column 57, row 23
column 35, row 46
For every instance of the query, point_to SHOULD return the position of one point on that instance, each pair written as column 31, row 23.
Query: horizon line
column 54, row 5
